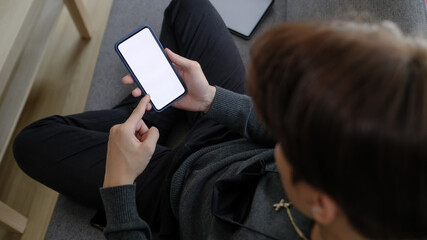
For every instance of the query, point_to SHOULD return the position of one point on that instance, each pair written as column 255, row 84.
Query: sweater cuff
column 120, row 204
column 222, row 98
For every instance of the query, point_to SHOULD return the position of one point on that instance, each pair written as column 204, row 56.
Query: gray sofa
column 71, row 220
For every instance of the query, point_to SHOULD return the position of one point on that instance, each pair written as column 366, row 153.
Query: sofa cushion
column 409, row 15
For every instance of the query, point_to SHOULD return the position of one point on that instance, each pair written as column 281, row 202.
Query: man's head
column 347, row 103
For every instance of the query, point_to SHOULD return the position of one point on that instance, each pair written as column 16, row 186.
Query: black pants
column 67, row 153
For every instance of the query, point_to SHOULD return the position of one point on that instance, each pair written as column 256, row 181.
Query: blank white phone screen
column 151, row 68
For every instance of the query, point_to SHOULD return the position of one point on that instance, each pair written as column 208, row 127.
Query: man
column 346, row 113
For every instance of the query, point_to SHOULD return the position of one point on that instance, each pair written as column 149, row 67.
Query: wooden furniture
column 25, row 26
column 79, row 15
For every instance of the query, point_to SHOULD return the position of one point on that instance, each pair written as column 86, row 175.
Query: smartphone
column 153, row 72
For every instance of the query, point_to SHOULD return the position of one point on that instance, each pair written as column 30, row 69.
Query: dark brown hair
column 348, row 104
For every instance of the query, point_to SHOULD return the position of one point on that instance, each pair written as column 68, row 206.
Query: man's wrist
column 212, row 92
column 114, row 181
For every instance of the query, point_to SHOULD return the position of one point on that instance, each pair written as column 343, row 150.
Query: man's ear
column 324, row 209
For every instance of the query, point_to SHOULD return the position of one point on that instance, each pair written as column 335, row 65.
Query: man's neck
column 338, row 232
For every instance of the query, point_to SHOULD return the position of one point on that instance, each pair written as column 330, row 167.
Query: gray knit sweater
column 225, row 191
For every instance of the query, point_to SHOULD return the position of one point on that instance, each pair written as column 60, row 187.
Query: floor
column 61, row 87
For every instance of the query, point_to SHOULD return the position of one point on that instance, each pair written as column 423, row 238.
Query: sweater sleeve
column 237, row 113
column 123, row 221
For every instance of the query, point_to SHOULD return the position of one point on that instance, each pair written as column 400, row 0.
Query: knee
column 28, row 147
column 186, row 8
column 22, row 149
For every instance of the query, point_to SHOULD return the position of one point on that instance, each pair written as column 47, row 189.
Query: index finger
column 128, row 79
column 139, row 111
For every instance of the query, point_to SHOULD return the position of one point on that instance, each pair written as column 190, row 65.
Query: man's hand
column 200, row 94
column 130, row 147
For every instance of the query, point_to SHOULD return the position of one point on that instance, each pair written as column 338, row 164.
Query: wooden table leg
column 11, row 219
column 80, row 17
